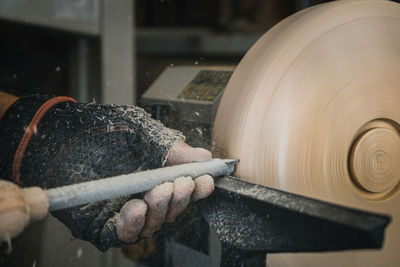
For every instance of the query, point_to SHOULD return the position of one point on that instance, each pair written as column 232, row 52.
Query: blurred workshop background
column 111, row 51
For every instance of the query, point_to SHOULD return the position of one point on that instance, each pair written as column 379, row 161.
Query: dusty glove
column 69, row 142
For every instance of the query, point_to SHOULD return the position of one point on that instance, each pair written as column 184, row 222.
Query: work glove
column 54, row 141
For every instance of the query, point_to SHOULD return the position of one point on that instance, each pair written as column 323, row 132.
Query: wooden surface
column 19, row 207
column 314, row 108
column 6, row 100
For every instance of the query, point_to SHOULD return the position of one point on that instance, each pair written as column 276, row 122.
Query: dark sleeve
column 76, row 142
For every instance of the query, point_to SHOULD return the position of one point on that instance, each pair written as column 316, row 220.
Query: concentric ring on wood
column 374, row 161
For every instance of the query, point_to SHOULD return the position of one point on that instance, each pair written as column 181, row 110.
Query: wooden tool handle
column 18, row 207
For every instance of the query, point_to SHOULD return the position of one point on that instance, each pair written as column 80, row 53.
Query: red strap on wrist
column 30, row 130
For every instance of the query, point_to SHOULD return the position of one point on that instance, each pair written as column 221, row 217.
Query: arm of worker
column 50, row 142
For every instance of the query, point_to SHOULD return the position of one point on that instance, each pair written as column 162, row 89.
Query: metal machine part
column 186, row 98
column 252, row 220
column 241, row 222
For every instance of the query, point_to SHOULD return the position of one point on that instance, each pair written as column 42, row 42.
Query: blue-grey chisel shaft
column 107, row 188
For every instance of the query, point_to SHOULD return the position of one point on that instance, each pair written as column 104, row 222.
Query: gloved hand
column 166, row 201
column 52, row 142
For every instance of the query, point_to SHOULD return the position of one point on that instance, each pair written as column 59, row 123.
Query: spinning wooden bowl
column 314, row 108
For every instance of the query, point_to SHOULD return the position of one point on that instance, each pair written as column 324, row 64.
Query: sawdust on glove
column 75, row 142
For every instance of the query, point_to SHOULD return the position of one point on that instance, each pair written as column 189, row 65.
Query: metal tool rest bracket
column 252, row 220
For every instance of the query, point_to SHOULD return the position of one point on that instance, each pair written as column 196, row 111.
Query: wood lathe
column 312, row 109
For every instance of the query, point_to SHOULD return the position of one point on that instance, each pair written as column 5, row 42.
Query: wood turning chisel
column 19, row 206
column 122, row 185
